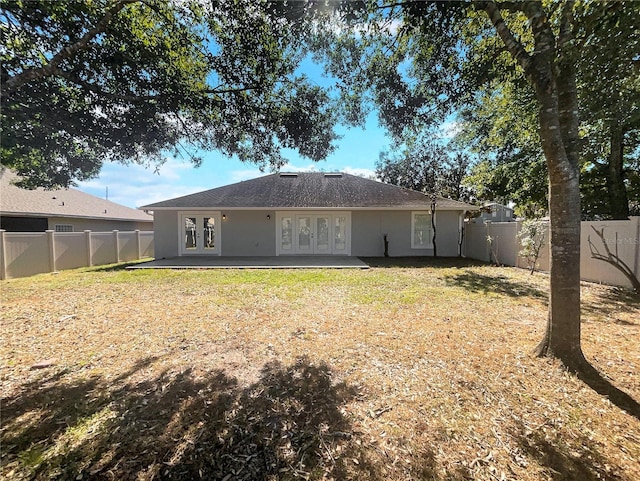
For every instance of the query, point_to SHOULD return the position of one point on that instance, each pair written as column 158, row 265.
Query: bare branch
column 613, row 259
column 49, row 69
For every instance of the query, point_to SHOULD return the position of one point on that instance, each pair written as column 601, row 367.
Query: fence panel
column 26, row 254
column 71, row 250
column 103, row 248
column 476, row 246
column 621, row 236
column 128, row 244
column 504, row 242
column 146, row 244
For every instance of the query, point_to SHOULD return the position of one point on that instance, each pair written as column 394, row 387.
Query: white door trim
column 287, row 243
column 199, row 233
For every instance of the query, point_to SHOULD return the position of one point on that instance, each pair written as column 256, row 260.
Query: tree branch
column 516, row 49
column 102, row 93
column 567, row 87
column 612, row 259
column 49, row 69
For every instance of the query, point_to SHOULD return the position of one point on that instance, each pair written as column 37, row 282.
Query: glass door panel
column 305, row 234
column 200, row 233
column 321, row 233
column 322, row 245
column 190, row 234
column 209, row 231
column 340, row 234
column 286, row 234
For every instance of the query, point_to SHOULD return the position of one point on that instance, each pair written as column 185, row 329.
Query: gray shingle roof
column 308, row 190
column 60, row 203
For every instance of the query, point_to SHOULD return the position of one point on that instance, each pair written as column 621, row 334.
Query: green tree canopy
column 425, row 165
column 134, row 80
column 499, row 118
column 423, row 59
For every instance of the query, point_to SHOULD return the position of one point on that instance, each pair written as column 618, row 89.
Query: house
column 495, row 212
column 306, row 213
column 63, row 210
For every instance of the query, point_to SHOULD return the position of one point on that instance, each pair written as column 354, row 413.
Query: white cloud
column 239, row 175
column 366, row 173
column 134, row 185
column 449, row 130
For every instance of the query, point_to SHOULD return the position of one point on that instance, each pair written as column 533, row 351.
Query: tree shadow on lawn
column 420, row 262
column 289, row 424
column 593, row 378
column 120, row 266
column 612, row 300
column 566, row 458
column 475, row 282
column 186, row 425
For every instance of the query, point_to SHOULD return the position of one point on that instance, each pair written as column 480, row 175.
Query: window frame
column 63, row 228
column 414, row 214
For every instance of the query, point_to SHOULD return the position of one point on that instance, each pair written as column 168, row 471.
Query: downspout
column 461, row 217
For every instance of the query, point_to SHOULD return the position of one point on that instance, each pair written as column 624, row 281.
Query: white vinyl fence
column 24, row 254
column 621, row 236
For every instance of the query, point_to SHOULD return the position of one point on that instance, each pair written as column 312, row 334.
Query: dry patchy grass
column 402, row 372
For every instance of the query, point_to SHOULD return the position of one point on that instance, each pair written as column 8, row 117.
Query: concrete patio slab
column 279, row 262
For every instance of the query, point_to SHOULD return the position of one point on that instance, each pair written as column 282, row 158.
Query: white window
column 64, row 228
column 421, row 231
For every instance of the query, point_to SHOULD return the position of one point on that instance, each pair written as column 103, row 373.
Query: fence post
column 116, row 241
column 87, row 236
column 517, row 241
column 636, row 241
column 138, row 244
column 51, row 240
column 3, row 257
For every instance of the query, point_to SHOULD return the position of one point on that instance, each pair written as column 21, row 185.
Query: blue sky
column 357, row 153
column 135, row 185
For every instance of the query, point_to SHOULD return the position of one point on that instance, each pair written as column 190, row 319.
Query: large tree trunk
column 618, row 200
column 562, row 336
column 554, row 78
column 550, row 71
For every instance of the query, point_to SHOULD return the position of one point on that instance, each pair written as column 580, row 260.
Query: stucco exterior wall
column 369, row 227
column 165, row 238
column 249, row 233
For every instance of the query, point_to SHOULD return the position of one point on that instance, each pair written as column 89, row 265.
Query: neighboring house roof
column 60, row 203
column 308, row 190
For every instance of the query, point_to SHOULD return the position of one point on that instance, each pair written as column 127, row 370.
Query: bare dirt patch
column 404, row 371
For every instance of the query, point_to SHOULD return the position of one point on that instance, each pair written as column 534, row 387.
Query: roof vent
column 288, row 174
column 333, row 174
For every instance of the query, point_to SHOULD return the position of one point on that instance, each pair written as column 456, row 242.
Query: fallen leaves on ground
column 406, row 371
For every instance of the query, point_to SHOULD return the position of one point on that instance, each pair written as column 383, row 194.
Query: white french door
column 314, row 233
column 200, row 233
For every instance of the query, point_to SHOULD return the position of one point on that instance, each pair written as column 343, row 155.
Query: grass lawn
column 399, row 372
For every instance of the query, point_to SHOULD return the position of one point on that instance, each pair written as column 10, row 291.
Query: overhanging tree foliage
column 426, row 166
column 133, row 80
column 428, row 51
column 498, row 121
